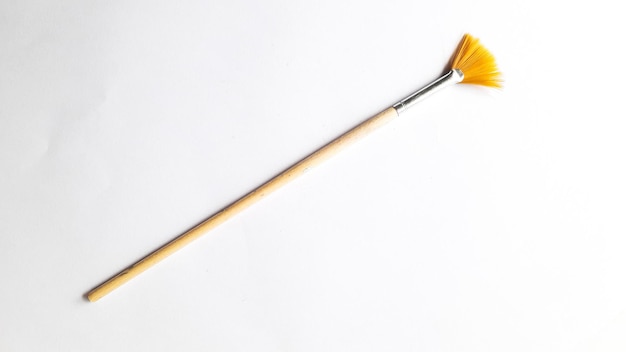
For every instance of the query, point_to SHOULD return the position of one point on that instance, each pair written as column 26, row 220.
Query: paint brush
column 471, row 64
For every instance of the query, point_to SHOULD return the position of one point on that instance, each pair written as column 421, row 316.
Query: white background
column 479, row 221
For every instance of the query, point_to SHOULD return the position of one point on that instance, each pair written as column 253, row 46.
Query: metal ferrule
column 453, row 77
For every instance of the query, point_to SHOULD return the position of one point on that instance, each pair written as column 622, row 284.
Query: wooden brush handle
column 291, row 173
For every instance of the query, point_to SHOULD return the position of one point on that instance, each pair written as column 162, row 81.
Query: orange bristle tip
column 477, row 63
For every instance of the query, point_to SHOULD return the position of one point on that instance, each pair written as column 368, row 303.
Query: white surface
column 480, row 221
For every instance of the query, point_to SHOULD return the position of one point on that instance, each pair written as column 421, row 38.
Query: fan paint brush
column 471, row 63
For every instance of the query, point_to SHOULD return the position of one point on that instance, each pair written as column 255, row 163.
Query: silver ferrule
column 453, row 77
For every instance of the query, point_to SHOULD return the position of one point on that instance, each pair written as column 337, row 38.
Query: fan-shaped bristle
column 477, row 63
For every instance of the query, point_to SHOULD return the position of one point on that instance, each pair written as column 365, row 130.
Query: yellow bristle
column 477, row 63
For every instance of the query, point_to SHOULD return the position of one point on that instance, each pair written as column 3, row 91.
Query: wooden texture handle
column 291, row 173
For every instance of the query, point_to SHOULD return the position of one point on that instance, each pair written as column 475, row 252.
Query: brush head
column 476, row 63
